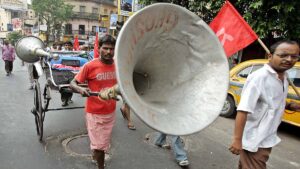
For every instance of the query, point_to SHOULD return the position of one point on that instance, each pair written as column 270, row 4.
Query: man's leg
column 70, row 98
column 160, row 140
column 11, row 65
column 99, row 129
column 6, row 67
column 65, row 96
column 179, row 152
column 99, row 156
column 249, row 160
column 64, row 99
column 125, row 110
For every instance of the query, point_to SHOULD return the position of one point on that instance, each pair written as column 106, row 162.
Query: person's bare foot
column 131, row 126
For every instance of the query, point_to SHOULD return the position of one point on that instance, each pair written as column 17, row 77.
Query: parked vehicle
column 238, row 76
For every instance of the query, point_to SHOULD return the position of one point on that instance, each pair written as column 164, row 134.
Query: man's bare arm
column 240, row 122
column 83, row 91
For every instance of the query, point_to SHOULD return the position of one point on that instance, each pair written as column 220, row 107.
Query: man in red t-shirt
column 99, row 74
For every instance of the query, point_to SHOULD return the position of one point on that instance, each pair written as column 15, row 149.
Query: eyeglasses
column 286, row 56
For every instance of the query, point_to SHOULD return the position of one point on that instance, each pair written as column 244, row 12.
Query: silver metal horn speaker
column 171, row 69
column 30, row 48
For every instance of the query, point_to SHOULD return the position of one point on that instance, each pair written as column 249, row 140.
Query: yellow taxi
column 238, row 76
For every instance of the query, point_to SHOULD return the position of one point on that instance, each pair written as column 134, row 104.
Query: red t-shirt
column 98, row 76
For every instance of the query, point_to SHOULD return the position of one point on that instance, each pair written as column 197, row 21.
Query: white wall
column 5, row 18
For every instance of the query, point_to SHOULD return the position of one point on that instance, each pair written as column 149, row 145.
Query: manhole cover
column 80, row 146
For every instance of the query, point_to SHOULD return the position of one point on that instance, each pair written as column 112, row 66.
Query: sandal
column 131, row 127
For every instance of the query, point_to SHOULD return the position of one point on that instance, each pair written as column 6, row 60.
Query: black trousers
column 8, row 66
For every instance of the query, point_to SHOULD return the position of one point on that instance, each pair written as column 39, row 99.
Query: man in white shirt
column 261, row 107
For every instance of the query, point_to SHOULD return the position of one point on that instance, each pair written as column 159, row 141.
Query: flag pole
column 289, row 80
column 263, row 45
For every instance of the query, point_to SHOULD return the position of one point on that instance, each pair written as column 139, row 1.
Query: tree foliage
column 13, row 37
column 53, row 13
column 268, row 18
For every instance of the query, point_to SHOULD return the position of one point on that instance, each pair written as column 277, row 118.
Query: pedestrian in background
column 66, row 95
column 177, row 147
column 68, row 46
column 262, row 105
column 8, row 55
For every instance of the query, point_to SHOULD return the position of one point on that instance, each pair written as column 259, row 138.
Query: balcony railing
column 85, row 15
column 108, row 2
column 77, row 32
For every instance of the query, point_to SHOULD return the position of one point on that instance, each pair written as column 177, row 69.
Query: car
column 238, row 76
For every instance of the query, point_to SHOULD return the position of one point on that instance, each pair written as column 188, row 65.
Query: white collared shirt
column 263, row 97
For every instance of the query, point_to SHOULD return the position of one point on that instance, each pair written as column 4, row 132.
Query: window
column 93, row 32
column 248, row 70
column 9, row 27
column 95, row 11
column 82, row 9
column 68, row 29
column 103, row 29
column 81, row 30
column 15, row 14
column 294, row 75
column 94, row 28
column 245, row 72
column 256, row 67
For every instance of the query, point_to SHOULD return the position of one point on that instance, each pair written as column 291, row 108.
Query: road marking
column 294, row 164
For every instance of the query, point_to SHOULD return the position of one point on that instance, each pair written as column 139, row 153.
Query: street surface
column 20, row 148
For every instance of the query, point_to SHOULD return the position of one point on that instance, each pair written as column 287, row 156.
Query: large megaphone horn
column 171, row 69
column 30, row 49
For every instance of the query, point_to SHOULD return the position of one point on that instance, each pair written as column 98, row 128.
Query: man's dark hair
column 68, row 43
column 275, row 45
column 107, row 39
column 6, row 42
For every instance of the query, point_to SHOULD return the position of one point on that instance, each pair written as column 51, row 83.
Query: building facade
column 89, row 16
column 12, row 14
column 30, row 23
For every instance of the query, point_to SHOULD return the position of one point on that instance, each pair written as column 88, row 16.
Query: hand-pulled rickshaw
column 59, row 68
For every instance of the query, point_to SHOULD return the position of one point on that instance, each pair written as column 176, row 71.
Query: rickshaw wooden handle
column 94, row 93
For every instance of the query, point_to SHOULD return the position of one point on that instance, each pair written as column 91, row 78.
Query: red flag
column 76, row 44
column 232, row 30
column 96, row 46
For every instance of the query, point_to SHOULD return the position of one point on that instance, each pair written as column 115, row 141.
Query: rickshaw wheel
column 38, row 110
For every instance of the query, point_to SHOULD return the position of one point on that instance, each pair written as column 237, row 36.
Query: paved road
column 20, row 148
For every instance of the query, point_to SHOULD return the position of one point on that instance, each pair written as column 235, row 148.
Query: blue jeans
column 176, row 144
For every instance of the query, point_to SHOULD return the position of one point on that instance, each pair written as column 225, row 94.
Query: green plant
column 269, row 19
column 13, row 37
